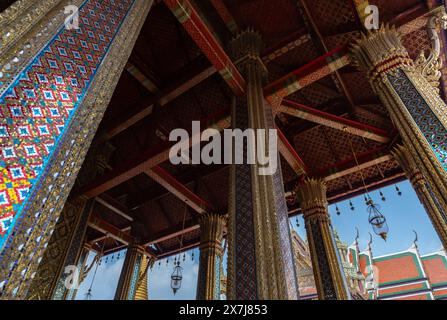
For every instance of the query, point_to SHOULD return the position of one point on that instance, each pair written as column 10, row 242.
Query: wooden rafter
column 336, row 122
column 114, row 205
column 187, row 15
column 109, row 230
column 178, row 189
column 306, row 75
column 225, row 15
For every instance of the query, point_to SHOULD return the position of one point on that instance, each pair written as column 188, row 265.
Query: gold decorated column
column 260, row 257
column 64, row 250
column 328, row 273
column 31, row 64
column 132, row 284
column 211, row 234
column 141, row 292
column 423, row 190
column 414, row 104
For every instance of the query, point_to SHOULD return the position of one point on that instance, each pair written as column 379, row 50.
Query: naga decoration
column 430, row 66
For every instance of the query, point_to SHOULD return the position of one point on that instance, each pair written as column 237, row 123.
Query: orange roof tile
column 436, row 268
column 398, row 268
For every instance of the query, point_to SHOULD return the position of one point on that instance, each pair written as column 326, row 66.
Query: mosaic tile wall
column 433, row 130
column 36, row 108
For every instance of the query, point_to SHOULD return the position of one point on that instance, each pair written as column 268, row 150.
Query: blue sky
column 404, row 214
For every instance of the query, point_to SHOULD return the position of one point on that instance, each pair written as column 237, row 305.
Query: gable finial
column 415, row 237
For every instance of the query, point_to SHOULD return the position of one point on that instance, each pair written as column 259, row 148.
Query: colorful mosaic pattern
column 73, row 249
column 217, row 276
column 36, row 108
column 430, row 126
column 282, row 216
column 245, row 281
column 324, row 269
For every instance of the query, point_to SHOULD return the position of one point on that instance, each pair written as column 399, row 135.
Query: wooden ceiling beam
column 173, row 232
column 178, row 189
column 193, row 75
column 336, row 122
column 199, row 71
column 307, row 74
column 334, row 60
column 370, row 185
column 361, row 166
column 186, row 247
column 290, row 155
column 108, row 229
column 152, row 157
column 114, row 205
column 286, row 45
column 320, row 42
column 187, row 15
column 365, row 160
column 225, row 15
column 146, row 160
column 141, row 78
column 96, row 240
column 138, row 199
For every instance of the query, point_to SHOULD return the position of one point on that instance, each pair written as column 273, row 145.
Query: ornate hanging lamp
column 98, row 260
column 176, row 278
column 375, row 218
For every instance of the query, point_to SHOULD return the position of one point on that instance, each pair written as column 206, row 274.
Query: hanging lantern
column 351, row 206
column 366, row 199
column 337, row 211
column 377, row 219
column 176, row 278
column 382, row 196
column 399, row 193
column 88, row 295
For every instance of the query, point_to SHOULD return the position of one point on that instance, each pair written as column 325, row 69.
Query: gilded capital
column 211, row 228
column 380, row 52
column 246, row 47
column 312, row 196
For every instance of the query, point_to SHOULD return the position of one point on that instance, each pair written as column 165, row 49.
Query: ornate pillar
column 40, row 159
column 83, row 268
column 66, row 243
column 431, row 204
column 132, row 284
column 414, row 105
column 260, row 260
column 64, row 250
column 211, row 234
column 328, row 273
